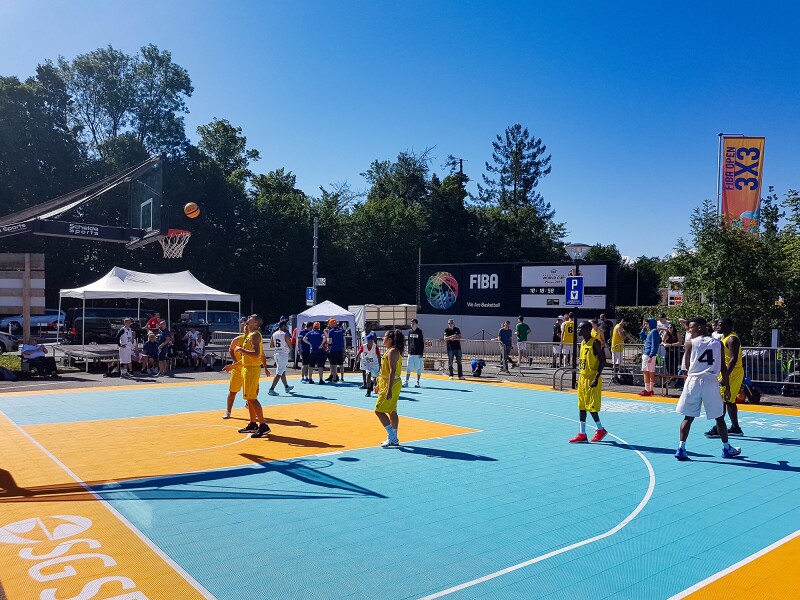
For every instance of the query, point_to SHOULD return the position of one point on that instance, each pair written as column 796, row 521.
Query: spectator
column 557, row 355
column 335, row 339
column 199, row 354
column 164, row 345
column 151, row 352
column 644, row 330
column 649, row 354
column 416, row 348
column 618, row 338
column 452, row 335
column 189, row 339
column 368, row 358
column 152, row 324
column 36, row 355
column 597, row 332
column 305, row 353
column 295, row 347
column 504, row 337
column 315, row 341
column 672, row 343
column 521, row 332
column 606, row 327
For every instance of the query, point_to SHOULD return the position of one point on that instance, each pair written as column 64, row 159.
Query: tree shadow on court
column 651, row 449
column 168, row 487
column 743, row 461
column 448, row 454
column 768, row 440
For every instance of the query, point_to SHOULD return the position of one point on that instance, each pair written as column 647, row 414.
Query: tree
column 519, row 163
column 226, row 145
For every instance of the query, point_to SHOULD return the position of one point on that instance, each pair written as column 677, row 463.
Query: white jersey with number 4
column 706, row 357
column 279, row 342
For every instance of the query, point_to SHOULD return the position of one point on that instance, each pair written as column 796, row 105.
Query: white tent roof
column 326, row 310
column 122, row 283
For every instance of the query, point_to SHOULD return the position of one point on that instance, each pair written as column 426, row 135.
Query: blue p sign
column 574, row 289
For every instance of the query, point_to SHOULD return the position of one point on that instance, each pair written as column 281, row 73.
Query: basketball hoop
column 174, row 242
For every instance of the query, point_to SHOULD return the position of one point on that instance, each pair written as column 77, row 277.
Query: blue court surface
column 499, row 507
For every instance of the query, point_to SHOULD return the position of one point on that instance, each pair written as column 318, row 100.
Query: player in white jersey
column 282, row 344
column 125, row 339
column 703, row 363
column 369, row 359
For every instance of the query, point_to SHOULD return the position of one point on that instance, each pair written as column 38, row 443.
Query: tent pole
column 207, row 315
column 83, row 333
column 169, row 323
column 58, row 320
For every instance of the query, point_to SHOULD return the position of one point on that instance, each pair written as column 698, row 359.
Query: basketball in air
column 191, row 210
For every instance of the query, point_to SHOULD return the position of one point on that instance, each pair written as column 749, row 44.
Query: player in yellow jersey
column 597, row 333
column 389, row 385
column 251, row 350
column 235, row 369
column 590, row 385
column 732, row 347
column 567, row 337
column 618, row 338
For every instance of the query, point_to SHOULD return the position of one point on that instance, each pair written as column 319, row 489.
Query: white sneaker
column 416, row 384
column 227, row 415
column 289, row 388
column 273, row 393
column 405, row 384
column 390, row 444
column 451, row 377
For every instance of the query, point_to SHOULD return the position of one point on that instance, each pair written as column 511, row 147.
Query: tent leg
column 58, row 320
column 83, row 334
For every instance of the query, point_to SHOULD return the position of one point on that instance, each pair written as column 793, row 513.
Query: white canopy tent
column 329, row 310
column 124, row 283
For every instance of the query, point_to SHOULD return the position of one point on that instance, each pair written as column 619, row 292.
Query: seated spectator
column 36, row 355
column 190, row 339
column 152, row 323
column 150, row 351
column 138, row 356
column 199, row 354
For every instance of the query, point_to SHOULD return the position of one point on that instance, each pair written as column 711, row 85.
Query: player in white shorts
column 369, row 359
column 281, row 343
column 703, row 363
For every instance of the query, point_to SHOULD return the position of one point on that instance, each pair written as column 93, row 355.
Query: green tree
column 519, row 162
column 226, row 145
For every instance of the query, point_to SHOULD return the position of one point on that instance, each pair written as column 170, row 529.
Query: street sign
column 574, row 296
column 321, row 281
column 309, row 296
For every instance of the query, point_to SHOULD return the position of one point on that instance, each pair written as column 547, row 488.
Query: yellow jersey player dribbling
column 251, row 351
column 590, row 386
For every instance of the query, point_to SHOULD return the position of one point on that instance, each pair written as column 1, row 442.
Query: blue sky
column 627, row 96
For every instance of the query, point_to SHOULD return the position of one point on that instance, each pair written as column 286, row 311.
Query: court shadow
column 197, row 486
column 407, row 399
column 449, row 389
column 296, row 395
column 651, row 449
column 448, row 454
column 743, row 461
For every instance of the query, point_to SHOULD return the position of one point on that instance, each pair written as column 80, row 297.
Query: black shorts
column 163, row 354
column 337, row 357
column 317, row 359
column 305, row 358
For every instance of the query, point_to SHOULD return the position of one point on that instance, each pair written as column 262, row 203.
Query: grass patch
column 12, row 362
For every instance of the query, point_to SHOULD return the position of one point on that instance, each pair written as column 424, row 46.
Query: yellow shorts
column 589, row 398
column 235, row 385
column 736, row 380
column 250, row 376
column 388, row 403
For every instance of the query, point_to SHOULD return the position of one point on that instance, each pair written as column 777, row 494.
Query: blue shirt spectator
column 315, row 338
column 653, row 340
column 505, row 336
column 336, row 336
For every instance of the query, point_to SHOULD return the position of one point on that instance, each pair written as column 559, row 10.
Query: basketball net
column 174, row 242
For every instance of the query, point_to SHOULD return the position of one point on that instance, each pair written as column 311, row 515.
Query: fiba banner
column 464, row 289
column 742, row 165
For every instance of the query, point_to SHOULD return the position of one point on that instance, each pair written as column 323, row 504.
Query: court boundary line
column 735, row 567
column 135, row 530
column 614, row 530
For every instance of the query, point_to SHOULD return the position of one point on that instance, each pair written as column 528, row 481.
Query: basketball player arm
column 733, row 345
column 597, row 348
column 687, row 355
column 724, row 374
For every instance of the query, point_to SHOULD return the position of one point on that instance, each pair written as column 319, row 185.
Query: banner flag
column 742, row 165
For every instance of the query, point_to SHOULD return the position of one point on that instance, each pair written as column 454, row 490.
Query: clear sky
column 627, row 96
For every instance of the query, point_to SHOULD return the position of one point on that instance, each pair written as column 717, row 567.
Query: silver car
column 51, row 318
column 8, row 343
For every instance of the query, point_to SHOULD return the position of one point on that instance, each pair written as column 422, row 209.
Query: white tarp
column 327, row 310
column 123, row 283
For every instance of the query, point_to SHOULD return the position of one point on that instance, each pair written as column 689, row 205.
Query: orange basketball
column 191, row 210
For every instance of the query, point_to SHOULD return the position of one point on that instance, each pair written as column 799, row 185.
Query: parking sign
column 574, row 291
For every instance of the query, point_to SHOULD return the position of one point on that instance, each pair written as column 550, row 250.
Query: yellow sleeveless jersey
column 589, row 363
column 251, row 360
column 617, row 343
column 568, row 332
column 738, row 369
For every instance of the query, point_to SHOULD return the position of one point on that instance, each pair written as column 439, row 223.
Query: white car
column 51, row 318
column 8, row 343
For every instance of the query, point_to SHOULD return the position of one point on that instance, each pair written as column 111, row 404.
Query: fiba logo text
column 483, row 281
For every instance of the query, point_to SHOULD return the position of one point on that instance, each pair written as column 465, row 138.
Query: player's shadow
column 448, row 454
column 651, row 449
column 306, row 397
column 299, row 442
column 459, row 390
column 743, row 461
column 407, row 399
column 768, row 440
column 294, row 423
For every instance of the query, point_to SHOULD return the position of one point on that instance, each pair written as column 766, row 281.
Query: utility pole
column 316, row 245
